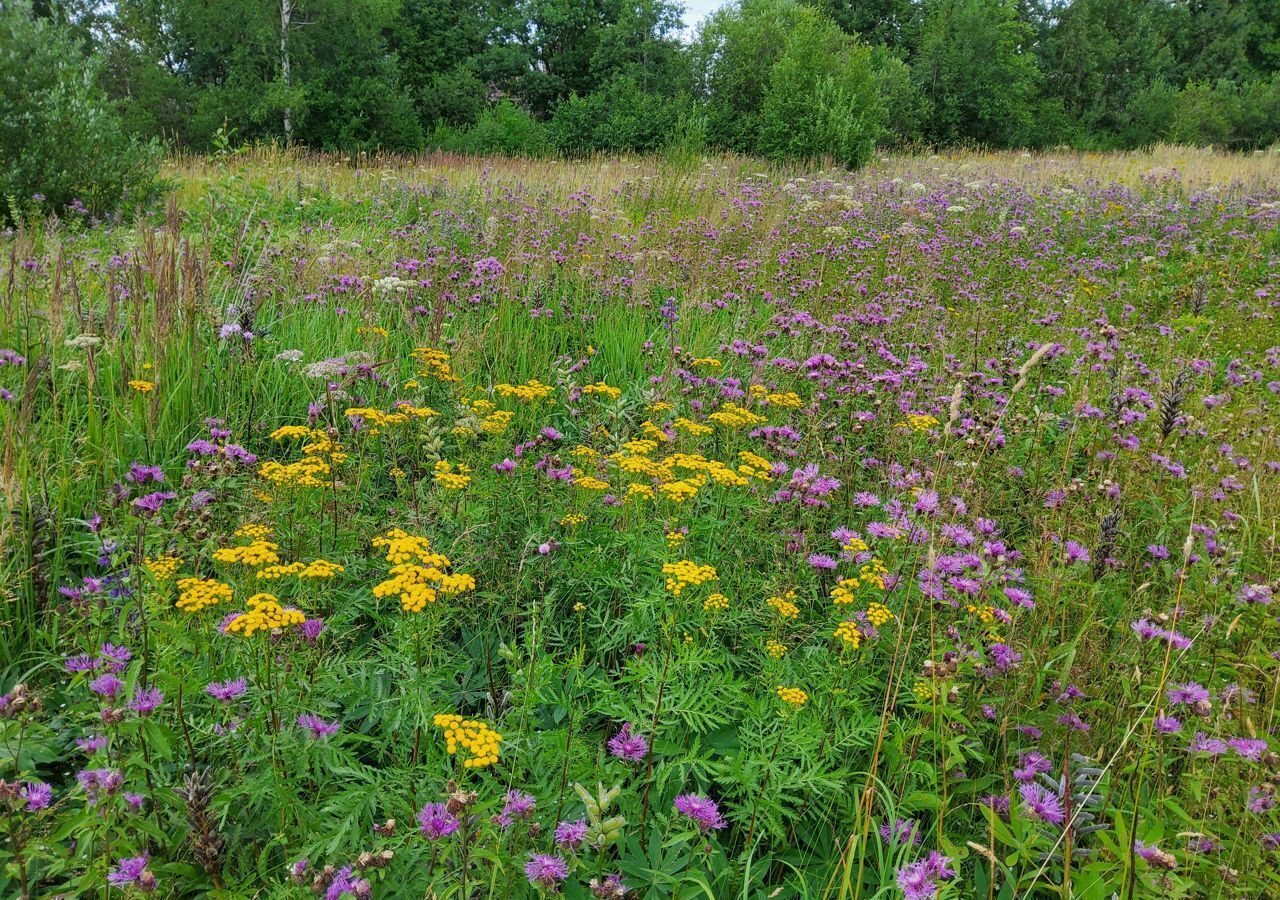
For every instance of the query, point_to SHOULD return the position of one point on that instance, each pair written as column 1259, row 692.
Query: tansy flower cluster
column 878, row 614
column 480, row 741
column 785, row 604
column 685, row 573
column 793, row 696
column 315, row 469
column 320, row 569
column 917, row 423
column 162, row 568
column 870, row 574
column 716, row 603
column 254, row 554
column 264, row 614
column 418, row 573
column 194, row 594
column 434, row 364
column 528, row 392
column 450, row 476
column 602, row 390
column 849, row 633
column 730, row 415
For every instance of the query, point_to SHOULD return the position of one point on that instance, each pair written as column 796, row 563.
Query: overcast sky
column 696, row 10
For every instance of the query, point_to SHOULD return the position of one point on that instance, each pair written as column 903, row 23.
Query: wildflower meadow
column 388, row 527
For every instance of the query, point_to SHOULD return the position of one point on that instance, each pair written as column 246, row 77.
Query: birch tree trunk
column 286, row 13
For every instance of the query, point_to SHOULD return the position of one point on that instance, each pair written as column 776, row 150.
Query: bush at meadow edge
column 514, row 528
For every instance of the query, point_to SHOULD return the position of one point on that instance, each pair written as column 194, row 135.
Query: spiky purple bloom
column 1042, row 804
column 1249, row 748
column 132, row 871
column 94, row 743
column 545, row 870
column 81, row 663
column 571, row 834
column 901, row 831
column 436, row 821
column 919, row 880
column 1076, row 552
column 145, row 702
column 1033, row 763
column 318, row 727
column 36, row 796
column 115, row 657
column 107, row 686
column 1189, row 693
column 516, row 805
column 140, row 474
column 628, row 746
column 702, row 810
column 151, row 504
column 821, row 561
column 347, row 883
column 99, row 783
column 226, row 691
column 311, row 629
column 1202, row 743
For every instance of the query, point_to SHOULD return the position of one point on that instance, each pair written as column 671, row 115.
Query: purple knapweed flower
column 132, row 871
column 919, row 880
column 1042, row 804
column 436, row 821
column 628, row 746
column 318, row 727
column 145, row 702
column 226, row 691
column 571, row 834
column 702, row 810
column 546, row 871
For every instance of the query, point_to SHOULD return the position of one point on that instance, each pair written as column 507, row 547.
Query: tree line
column 777, row 78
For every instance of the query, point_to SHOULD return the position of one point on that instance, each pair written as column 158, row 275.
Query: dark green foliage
column 619, row 117
column 503, row 128
column 781, row 78
column 821, row 99
column 59, row 137
column 974, row 70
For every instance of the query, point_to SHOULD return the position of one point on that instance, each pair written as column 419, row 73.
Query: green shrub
column 59, row 137
column 503, row 128
column 821, row 99
column 620, row 117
